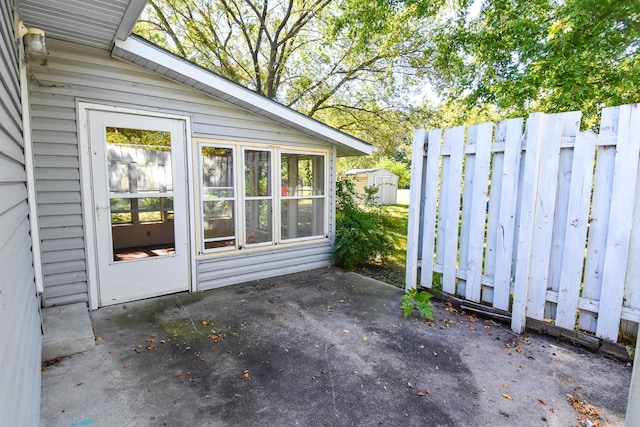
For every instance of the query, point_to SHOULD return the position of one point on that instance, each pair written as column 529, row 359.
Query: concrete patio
column 323, row 348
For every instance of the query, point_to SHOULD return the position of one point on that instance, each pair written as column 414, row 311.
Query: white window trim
column 325, row 196
column 239, row 148
column 200, row 212
column 272, row 197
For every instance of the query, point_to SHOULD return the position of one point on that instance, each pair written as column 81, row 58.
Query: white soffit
column 145, row 54
column 94, row 23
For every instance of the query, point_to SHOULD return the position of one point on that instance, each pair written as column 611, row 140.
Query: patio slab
column 323, row 348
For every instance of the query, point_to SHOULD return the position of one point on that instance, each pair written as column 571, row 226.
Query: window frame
column 245, row 198
column 201, row 199
column 324, row 196
column 276, row 151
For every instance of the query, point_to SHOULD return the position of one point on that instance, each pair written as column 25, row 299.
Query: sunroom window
column 258, row 197
column 218, row 197
column 253, row 196
column 302, row 202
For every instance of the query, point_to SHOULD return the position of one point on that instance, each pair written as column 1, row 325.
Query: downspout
column 28, row 164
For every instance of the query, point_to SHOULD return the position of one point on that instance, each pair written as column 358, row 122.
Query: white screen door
column 140, row 208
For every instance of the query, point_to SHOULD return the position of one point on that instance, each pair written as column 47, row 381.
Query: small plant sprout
column 420, row 300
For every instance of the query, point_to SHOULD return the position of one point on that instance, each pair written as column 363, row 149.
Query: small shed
column 385, row 180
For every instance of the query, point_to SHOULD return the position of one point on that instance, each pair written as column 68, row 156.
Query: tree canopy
column 362, row 65
column 542, row 55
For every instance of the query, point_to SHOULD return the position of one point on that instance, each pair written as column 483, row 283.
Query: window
column 258, row 197
column 217, row 197
column 302, row 204
column 240, row 206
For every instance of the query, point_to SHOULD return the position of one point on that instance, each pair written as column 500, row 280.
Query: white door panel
column 139, row 196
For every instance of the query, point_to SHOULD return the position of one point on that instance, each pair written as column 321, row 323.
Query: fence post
column 533, row 140
column 415, row 203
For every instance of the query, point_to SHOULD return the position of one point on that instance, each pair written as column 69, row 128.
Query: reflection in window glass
column 258, row 217
column 141, row 192
column 218, row 197
column 302, row 206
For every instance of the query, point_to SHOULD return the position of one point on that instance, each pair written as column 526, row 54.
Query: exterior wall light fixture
column 34, row 40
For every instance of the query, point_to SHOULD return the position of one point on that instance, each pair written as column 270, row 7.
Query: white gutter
column 29, row 168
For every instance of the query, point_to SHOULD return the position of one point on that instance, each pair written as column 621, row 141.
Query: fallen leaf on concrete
column 541, row 400
column 204, row 322
column 99, row 339
column 419, row 393
column 179, row 376
column 245, row 375
column 216, row 338
column 506, row 396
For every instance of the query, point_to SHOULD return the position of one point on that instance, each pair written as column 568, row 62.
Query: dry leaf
column 420, row 393
column 179, row 376
column 125, row 366
column 204, row 322
column 541, row 400
column 245, row 375
column 506, row 396
column 100, row 339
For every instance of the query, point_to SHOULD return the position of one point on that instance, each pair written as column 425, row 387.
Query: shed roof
column 108, row 24
column 366, row 171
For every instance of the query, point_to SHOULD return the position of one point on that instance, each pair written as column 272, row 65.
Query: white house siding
column 72, row 74
column 20, row 333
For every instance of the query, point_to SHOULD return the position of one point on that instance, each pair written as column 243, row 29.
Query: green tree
column 349, row 63
column 542, row 55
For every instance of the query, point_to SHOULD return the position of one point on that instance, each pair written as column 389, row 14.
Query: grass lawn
column 392, row 270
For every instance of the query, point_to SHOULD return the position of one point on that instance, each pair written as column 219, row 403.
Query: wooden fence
column 544, row 224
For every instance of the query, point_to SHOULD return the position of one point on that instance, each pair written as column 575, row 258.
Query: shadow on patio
column 326, row 348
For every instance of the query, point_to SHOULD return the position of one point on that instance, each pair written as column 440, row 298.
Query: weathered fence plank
column 575, row 229
column 508, row 190
column 430, row 206
column 415, row 201
column 454, row 141
column 557, row 126
column 620, row 220
column 480, row 136
column 531, row 168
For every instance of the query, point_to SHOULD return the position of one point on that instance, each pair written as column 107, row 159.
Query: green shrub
column 361, row 234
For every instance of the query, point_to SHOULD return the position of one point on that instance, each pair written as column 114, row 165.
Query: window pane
column 257, row 173
column 218, row 197
column 217, row 172
column 258, row 221
column 302, row 174
column 302, row 218
column 218, row 219
column 139, row 166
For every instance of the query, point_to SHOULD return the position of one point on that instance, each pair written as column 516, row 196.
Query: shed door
column 384, row 188
column 139, row 181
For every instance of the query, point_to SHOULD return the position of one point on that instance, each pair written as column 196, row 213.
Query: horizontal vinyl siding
column 20, row 333
column 73, row 74
column 246, row 265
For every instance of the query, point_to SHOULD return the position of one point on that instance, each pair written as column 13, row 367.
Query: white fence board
column 454, row 141
column 549, row 225
column 620, row 220
column 575, row 229
column 430, row 184
column 506, row 220
column 479, row 135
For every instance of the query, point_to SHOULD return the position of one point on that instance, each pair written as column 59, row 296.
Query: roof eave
column 156, row 59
